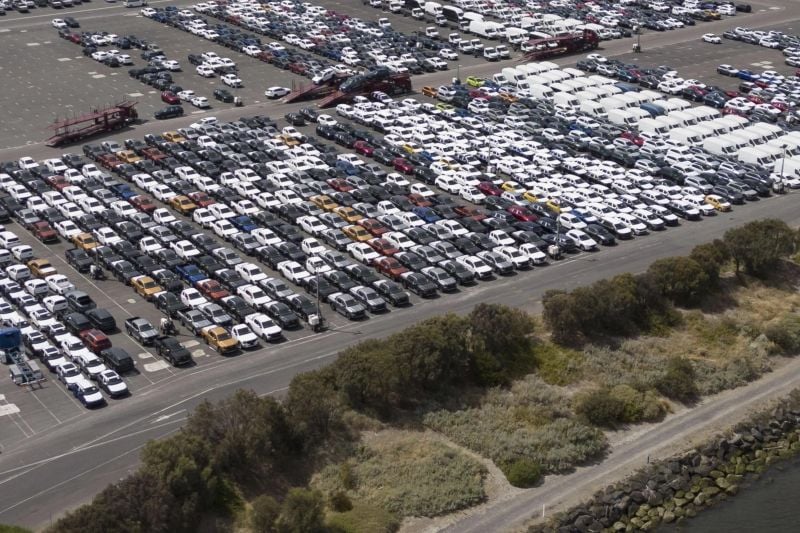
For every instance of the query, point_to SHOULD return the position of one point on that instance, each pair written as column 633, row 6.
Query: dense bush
column 622, row 305
column 785, row 333
column 303, row 511
column 711, row 257
column 678, row 382
column 263, row 514
column 680, row 279
column 759, row 245
column 408, row 475
column 364, row 518
column 600, row 408
column 522, row 473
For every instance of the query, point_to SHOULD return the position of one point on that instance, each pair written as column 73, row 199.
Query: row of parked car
column 61, row 327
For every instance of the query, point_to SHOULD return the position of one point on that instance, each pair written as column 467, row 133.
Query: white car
column 185, row 249
column 223, row 228
column 250, row 272
column 193, row 298
column 293, row 271
column 447, row 53
column 112, row 383
column 264, row 326
column 711, row 38
column 231, row 80
column 186, row 95
column 201, row 102
column 276, row 92
column 67, row 229
column 476, row 265
column 254, row 296
column 171, row 64
column 362, row 252
column 58, row 23
column 242, row 333
column 149, row 245
column 59, row 284
column 205, row 71
column 581, row 240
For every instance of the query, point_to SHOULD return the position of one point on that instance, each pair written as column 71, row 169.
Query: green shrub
column 301, row 512
column 364, row 518
column 757, row 246
column 600, row 408
column 785, row 332
column 13, row 529
column 680, row 279
column 340, row 502
column 263, row 514
column 522, row 473
column 640, row 406
column 558, row 365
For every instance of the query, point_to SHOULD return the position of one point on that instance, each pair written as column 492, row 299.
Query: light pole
column 783, row 161
column 458, row 72
column 319, row 309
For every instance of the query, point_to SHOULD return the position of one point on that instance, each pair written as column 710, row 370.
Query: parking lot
column 490, row 187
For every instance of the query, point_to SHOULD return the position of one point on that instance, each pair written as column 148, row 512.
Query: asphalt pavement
column 56, row 465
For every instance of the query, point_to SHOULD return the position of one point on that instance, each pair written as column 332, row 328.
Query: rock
column 647, row 526
column 637, row 497
column 618, row 526
column 583, row 522
column 699, row 500
column 691, row 512
column 636, row 522
column 710, row 491
column 748, row 438
column 674, row 467
column 732, row 490
column 722, row 483
column 668, row 517
column 735, row 440
column 655, row 499
column 680, row 502
column 633, row 508
column 715, row 474
column 740, row 469
column 652, row 484
column 703, row 470
column 595, row 527
column 756, row 434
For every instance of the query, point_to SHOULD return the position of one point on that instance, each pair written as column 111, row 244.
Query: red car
column 201, row 199
column 212, row 289
column 143, row 203
column 170, row 97
column 383, row 247
column 756, row 99
column 153, row 154
column 475, row 213
column 522, row 213
column 339, row 184
column 633, row 137
column 419, row 200
column 95, row 340
column 401, row 165
column 42, row 231
column 363, row 148
column 57, row 182
column 489, row 189
column 390, row 267
column 374, row 227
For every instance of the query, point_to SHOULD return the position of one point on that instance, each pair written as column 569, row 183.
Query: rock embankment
column 678, row 488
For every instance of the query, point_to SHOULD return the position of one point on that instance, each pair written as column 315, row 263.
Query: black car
column 172, row 350
column 600, row 234
column 295, row 119
column 223, row 95
column 171, row 111
column 78, row 259
column 283, row 315
column 392, row 292
column 237, row 307
column 301, row 305
column 169, row 303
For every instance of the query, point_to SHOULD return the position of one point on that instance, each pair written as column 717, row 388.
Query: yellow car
column 357, row 233
column 348, row 214
column 145, row 286
column 553, row 205
column 173, row 136
column 718, row 202
column 324, row 202
column 41, row 268
column 288, row 140
column 219, row 339
column 511, row 186
column 441, row 106
column 429, row 91
column 474, row 81
column 84, row 241
column 128, row 156
column 182, row 204
column 531, row 196
column 411, row 148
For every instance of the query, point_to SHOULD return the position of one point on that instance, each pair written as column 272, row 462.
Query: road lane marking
column 8, row 409
column 190, row 344
column 155, row 367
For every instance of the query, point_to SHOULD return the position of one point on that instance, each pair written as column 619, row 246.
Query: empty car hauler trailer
column 485, row 28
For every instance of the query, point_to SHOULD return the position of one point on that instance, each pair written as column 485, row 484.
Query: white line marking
column 144, row 355
column 8, row 409
column 155, row 367
column 62, row 59
column 32, row 44
column 135, row 95
column 99, row 76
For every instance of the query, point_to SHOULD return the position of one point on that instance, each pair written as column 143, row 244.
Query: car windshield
column 74, row 346
column 224, row 336
column 93, row 363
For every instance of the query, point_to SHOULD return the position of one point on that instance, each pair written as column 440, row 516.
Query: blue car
column 123, row 190
column 747, row 75
column 190, row 273
column 244, row 223
column 426, row 213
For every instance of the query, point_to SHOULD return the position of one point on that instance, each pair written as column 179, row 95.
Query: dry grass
column 407, row 474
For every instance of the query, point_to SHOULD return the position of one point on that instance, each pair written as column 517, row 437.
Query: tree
column 313, row 406
column 561, row 317
column 302, row 512
column 501, row 342
column 263, row 514
column 523, row 473
column 680, row 279
column 758, row 245
column 711, row 256
column 600, row 408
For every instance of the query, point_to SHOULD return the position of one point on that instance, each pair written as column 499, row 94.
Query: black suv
column 223, row 95
column 171, row 111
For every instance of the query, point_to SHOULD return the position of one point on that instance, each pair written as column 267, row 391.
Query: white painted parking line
column 5, row 30
column 62, row 59
column 99, row 76
column 47, row 42
column 198, row 112
column 145, row 355
column 131, row 301
column 199, row 353
column 32, row 44
column 155, row 367
column 8, row 409
column 190, row 344
column 135, row 95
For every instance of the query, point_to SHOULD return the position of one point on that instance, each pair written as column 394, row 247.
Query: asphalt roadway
column 65, row 464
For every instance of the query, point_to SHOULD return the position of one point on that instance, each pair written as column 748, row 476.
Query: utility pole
column 319, row 308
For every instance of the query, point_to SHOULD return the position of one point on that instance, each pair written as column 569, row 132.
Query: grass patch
column 364, row 518
column 407, row 474
column 13, row 529
column 531, row 421
column 558, row 365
